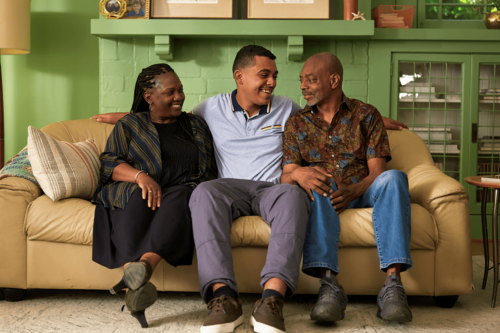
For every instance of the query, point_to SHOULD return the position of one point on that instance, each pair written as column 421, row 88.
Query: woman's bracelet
column 135, row 180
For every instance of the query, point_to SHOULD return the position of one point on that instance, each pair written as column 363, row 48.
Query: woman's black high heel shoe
column 137, row 301
column 135, row 276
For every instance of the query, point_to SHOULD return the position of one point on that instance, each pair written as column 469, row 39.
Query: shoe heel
column 141, row 317
column 119, row 286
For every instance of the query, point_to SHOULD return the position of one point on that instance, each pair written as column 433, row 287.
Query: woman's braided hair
column 145, row 81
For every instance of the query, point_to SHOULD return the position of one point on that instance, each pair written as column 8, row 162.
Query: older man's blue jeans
column 389, row 197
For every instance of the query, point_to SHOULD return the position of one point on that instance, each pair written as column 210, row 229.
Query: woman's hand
column 150, row 190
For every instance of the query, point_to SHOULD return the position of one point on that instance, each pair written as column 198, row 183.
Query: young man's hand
column 341, row 198
column 392, row 124
column 313, row 178
column 109, row 118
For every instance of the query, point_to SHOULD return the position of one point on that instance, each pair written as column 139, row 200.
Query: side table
column 476, row 181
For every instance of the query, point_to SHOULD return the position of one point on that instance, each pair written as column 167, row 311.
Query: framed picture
column 220, row 9
column 288, row 9
column 137, row 9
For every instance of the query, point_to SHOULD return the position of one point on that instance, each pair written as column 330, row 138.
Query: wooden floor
column 477, row 249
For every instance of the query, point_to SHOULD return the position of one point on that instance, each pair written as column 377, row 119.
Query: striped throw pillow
column 64, row 169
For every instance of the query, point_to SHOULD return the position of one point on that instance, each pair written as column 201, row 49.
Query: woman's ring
column 150, row 191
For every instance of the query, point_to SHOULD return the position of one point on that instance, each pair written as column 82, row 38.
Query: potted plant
column 492, row 20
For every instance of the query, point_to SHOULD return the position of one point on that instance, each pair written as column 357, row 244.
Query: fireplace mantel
column 294, row 31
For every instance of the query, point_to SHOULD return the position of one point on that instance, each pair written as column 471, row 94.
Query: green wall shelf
column 293, row 30
column 437, row 34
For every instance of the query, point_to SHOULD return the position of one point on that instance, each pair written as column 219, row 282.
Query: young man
column 247, row 126
column 336, row 149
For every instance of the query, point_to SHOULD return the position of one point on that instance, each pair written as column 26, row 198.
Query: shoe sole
column 145, row 297
column 263, row 328
column 222, row 328
column 397, row 316
column 134, row 275
column 326, row 316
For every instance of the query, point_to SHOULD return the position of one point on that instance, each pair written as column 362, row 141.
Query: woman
column 154, row 158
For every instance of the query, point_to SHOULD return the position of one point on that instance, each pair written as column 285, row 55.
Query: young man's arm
column 109, row 118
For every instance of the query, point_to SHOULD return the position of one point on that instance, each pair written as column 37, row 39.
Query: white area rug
column 98, row 311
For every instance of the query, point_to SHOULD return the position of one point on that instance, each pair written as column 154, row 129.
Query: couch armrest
column 15, row 195
column 448, row 202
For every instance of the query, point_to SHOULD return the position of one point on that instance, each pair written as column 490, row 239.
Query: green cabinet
column 452, row 101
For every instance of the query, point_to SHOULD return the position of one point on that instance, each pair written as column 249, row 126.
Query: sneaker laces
column 326, row 293
column 394, row 291
column 217, row 304
column 272, row 305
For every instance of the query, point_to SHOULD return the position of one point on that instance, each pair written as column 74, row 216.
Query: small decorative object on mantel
column 113, row 9
column 288, row 9
column 492, row 20
column 358, row 16
column 350, row 7
column 213, row 9
column 393, row 16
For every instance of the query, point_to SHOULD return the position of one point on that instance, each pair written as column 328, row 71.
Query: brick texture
column 205, row 67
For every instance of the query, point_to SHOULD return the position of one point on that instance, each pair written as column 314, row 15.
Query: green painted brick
column 288, row 88
column 344, row 52
column 117, row 100
column 108, row 110
column 223, row 71
column 219, row 86
column 141, row 49
column 125, row 48
column 108, row 49
column 360, row 52
column 184, row 49
column 113, row 84
column 194, row 86
column 290, row 71
column 355, row 72
column 186, row 69
column 130, row 84
column 279, row 49
column 355, row 88
column 190, row 102
column 205, row 96
column 117, row 67
column 125, row 109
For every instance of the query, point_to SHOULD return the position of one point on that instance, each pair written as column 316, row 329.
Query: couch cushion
column 71, row 221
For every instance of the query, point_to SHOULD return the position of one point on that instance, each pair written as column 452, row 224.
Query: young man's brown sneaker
column 225, row 315
column 267, row 316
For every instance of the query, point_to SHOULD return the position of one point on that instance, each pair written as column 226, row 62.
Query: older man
column 336, row 149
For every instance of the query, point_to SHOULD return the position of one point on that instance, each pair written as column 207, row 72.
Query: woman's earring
column 150, row 107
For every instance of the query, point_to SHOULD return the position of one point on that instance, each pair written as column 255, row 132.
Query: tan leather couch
column 46, row 244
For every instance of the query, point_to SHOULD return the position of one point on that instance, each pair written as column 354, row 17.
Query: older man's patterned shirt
column 342, row 148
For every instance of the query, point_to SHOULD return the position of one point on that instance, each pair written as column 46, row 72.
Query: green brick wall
column 204, row 66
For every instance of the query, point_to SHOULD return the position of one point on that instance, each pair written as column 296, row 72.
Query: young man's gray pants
column 215, row 204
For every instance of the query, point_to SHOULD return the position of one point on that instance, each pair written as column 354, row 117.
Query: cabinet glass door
column 430, row 95
column 485, row 106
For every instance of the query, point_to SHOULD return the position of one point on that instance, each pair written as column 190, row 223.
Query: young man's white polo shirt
column 247, row 148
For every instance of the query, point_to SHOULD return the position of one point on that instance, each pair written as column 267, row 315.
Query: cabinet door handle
column 474, row 133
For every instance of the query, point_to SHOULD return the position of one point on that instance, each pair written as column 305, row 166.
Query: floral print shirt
column 342, row 148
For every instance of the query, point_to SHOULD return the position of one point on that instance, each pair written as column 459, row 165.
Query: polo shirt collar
column 265, row 109
column 345, row 105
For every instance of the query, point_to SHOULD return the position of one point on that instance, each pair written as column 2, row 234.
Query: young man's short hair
column 246, row 56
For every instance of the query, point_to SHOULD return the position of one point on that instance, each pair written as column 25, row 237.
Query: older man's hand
column 392, row 124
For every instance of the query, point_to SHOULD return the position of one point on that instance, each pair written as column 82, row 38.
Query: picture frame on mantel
column 194, row 9
column 137, row 9
column 288, row 9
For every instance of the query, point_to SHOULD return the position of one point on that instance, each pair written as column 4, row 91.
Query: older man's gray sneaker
column 391, row 301
column 332, row 300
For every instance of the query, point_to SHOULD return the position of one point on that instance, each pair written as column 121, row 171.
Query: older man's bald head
column 328, row 62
